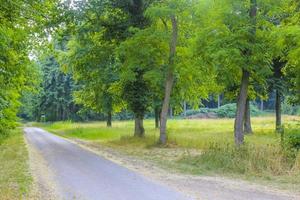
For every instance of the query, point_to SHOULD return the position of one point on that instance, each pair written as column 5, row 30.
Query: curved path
column 81, row 174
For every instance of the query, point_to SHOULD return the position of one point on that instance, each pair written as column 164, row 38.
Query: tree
column 284, row 43
column 142, row 57
column 54, row 100
column 183, row 76
column 18, row 19
column 242, row 97
column 94, row 70
column 90, row 54
column 234, row 39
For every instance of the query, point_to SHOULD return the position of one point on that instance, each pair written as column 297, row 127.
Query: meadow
column 202, row 146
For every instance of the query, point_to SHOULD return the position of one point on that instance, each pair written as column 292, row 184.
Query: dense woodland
column 114, row 59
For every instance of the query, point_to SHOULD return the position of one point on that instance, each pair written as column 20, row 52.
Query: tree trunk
column 139, row 130
column 278, row 110
column 57, row 114
column 171, row 112
column 261, row 104
column 184, row 108
column 219, row 101
column 247, row 120
column 240, row 111
column 242, row 97
column 168, row 83
column 156, row 113
column 108, row 120
column 278, row 74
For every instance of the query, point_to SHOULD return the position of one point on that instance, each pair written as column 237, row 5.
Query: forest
column 159, row 72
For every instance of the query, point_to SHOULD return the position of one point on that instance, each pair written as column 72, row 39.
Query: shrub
column 225, row 111
column 229, row 110
column 293, row 138
column 199, row 111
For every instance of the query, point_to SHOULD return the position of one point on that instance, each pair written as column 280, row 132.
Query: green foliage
column 229, row 110
column 292, row 137
column 92, row 55
column 293, row 141
column 54, row 99
column 224, row 41
column 201, row 110
column 286, row 42
column 289, row 109
column 225, row 111
column 142, row 58
column 17, row 74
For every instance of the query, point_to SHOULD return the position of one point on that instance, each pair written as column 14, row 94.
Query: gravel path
column 71, row 172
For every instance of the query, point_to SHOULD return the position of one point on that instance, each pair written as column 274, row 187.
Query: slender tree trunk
column 242, row 97
column 57, row 114
column 261, row 104
column 247, row 120
column 278, row 110
column 168, row 83
column 240, row 111
column 219, row 101
column 184, row 108
column 278, row 74
column 108, row 120
column 171, row 112
column 156, row 114
column 139, row 130
column 165, row 108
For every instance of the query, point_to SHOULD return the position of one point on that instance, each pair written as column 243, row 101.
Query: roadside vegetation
column 15, row 178
column 202, row 147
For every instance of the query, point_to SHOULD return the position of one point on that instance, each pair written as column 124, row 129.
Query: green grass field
column 197, row 134
column 201, row 146
column 15, row 179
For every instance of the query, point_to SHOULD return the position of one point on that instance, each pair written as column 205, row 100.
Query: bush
column 293, row 138
column 199, row 111
column 229, row 110
column 225, row 111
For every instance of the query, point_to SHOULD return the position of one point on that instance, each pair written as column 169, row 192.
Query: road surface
column 81, row 174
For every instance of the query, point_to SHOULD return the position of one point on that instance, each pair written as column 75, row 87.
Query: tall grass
column 270, row 160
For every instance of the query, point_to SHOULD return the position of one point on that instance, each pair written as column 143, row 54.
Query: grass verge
column 15, row 178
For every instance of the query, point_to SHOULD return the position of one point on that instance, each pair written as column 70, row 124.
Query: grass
column 15, row 178
column 201, row 146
